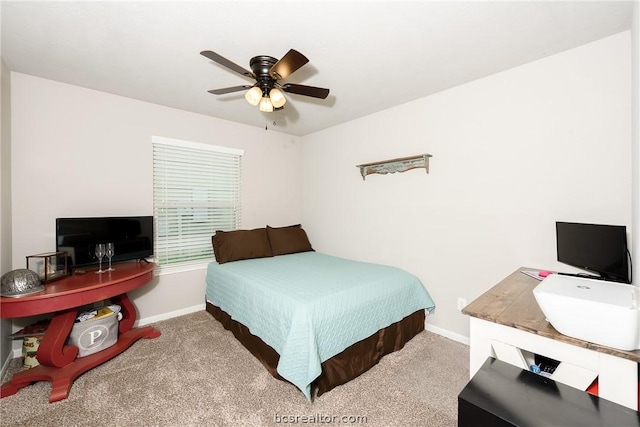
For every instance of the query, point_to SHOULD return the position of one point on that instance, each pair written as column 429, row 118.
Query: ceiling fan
column 267, row 71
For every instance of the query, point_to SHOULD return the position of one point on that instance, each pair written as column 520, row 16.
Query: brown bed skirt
column 341, row 368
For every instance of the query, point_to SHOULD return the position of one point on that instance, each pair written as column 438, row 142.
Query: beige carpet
column 197, row 374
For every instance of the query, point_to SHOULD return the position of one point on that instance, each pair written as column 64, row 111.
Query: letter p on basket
column 95, row 334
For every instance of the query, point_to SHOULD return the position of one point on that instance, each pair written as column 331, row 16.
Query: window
column 196, row 191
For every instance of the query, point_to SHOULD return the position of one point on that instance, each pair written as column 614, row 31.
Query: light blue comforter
column 310, row 306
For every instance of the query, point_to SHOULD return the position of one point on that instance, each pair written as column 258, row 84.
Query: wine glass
column 100, row 249
column 109, row 252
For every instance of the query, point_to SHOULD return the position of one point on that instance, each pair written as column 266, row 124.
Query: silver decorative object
column 402, row 164
column 20, row 282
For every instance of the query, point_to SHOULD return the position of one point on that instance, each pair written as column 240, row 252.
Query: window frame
column 164, row 198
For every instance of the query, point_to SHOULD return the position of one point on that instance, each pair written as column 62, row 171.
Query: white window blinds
column 196, row 191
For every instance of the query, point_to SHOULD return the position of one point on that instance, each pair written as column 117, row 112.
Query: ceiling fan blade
column 316, row 92
column 229, row 89
column 287, row 64
column 226, row 63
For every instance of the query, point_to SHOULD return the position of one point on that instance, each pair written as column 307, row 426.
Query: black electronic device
column 597, row 248
column 132, row 237
column 546, row 365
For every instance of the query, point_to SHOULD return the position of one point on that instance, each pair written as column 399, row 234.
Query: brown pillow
column 241, row 244
column 288, row 240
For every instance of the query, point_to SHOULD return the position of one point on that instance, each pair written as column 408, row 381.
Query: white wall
column 79, row 152
column 5, row 198
column 512, row 153
column 635, row 79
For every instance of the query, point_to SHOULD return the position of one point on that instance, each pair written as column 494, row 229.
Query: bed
column 314, row 320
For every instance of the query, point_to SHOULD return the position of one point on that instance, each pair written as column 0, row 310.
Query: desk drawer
column 566, row 373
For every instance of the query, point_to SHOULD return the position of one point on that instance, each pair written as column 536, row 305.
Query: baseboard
column 447, row 334
column 16, row 352
column 165, row 316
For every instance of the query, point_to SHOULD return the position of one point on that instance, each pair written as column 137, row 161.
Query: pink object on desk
column 544, row 273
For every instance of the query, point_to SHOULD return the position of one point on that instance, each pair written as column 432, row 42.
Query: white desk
column 508, row 315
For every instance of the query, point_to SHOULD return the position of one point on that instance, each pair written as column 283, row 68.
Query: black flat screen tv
column 597, row 248
column 132, row 237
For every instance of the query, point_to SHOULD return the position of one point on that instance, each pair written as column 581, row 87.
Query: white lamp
column 266, row 105
column 277, row 98
column 253, row 95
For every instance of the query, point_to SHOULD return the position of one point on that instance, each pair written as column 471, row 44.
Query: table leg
column 53, row 354
column 128, row 312
column 53, row 350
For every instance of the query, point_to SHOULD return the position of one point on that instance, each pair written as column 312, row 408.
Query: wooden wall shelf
column 401, row 164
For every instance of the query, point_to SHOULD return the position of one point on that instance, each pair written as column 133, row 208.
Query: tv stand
column 58, row 361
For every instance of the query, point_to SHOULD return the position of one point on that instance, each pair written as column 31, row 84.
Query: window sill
column 181, row 268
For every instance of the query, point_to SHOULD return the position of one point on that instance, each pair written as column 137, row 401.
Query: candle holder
column 48, row 266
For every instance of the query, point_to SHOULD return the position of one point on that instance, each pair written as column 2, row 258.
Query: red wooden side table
column 58, row 361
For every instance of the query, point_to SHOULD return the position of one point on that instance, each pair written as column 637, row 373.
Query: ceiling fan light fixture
column 266, row 105
column 253, row 96
column 277, row 98
column 267, row 93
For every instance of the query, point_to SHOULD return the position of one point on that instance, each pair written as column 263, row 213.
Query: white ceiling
column 373, row 55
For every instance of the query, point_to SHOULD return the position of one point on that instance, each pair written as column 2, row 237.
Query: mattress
column 310, row 306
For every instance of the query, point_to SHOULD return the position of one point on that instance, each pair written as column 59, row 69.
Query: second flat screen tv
column 132, row 237
column 597, row 248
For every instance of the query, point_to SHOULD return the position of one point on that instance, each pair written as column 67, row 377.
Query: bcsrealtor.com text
column 319, row 419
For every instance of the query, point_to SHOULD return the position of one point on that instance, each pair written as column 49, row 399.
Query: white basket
column 95, row 334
